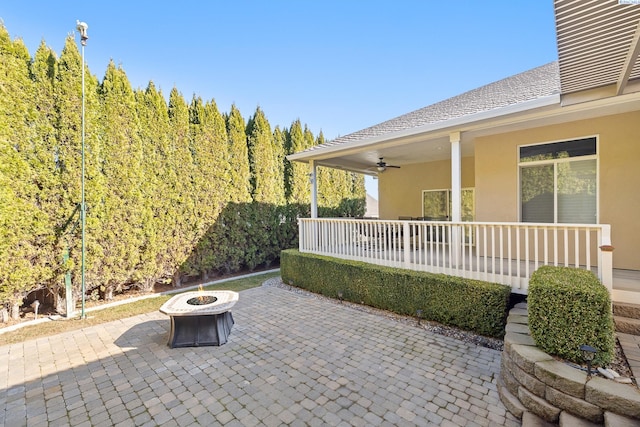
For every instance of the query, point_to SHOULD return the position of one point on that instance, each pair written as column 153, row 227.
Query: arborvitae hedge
column 168, row 185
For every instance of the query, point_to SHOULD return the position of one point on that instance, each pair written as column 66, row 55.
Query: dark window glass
column 558, row 150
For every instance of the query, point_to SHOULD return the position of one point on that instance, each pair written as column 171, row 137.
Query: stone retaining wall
column 532, row 381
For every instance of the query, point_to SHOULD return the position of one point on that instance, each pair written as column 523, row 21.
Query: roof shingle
column 527, row 86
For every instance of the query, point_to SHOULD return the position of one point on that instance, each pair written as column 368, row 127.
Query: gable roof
column 530, row 85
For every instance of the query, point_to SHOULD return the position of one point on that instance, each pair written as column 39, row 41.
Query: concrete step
column 624, row 309
column 627, row 325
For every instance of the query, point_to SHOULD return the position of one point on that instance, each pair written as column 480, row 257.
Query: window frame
column 448, row 191
column 554, row 162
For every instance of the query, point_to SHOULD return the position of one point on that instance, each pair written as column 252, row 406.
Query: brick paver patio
column 291, row 359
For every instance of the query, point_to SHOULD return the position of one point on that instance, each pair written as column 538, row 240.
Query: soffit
column 597, row 44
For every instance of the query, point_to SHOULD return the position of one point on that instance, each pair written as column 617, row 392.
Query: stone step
column 615, row 420
column 627, row 325
column 624, row 309
column 529, row 419
column 569, row 420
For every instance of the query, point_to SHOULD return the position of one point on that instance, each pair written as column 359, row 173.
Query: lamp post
column 588, row 354
column 82, row 28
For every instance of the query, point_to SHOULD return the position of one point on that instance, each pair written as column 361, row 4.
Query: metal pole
column 83, row 210
column 82, row 27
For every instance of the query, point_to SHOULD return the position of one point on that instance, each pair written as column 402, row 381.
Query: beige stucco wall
column 400, row 190
column 494, row 174
column 496, row 178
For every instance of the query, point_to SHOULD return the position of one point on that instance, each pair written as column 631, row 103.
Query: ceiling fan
column 382, row 166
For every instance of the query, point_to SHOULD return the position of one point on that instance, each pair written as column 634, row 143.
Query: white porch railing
column 506, row 253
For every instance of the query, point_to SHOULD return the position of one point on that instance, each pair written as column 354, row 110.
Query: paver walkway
column 291, row 359
column 631, row 348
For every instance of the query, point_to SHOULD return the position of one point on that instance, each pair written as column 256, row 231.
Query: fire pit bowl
column 202, row 300
column 200, row 318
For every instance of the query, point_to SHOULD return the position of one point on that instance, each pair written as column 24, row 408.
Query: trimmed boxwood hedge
column 569, row 307
column 469, row 304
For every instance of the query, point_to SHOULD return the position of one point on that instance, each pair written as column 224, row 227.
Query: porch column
column 456, row 198
column 314, row 189
column 456, row 177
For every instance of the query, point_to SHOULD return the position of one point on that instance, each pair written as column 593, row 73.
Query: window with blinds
column 558, row 182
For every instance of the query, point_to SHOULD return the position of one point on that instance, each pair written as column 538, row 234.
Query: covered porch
column 505, row 253
column 537, row 168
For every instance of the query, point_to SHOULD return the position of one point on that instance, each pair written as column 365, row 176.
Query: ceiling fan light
column 381, row 168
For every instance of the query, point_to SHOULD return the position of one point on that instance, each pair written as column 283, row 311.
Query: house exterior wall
column 400, row 190
column 496, row 176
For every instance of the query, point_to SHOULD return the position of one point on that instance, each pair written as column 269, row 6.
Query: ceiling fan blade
column 381, row 166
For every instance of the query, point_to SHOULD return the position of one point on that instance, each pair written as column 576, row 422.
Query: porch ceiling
column 597, row 44
column 394, row 153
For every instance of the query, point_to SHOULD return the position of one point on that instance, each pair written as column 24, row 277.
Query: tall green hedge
column 468, row 304
column 173, row 190
column 569, row 307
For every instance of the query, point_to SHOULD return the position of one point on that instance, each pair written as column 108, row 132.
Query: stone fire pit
column 200, row 318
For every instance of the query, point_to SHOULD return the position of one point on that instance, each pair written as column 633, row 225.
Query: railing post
column 456, row 246
column 406, row 243
column 300, row 234
column 315, row 227
column 605, row 264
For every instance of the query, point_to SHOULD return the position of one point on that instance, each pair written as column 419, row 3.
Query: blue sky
column 337, row 65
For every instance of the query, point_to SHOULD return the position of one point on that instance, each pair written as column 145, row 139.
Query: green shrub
column 569, row 307
column 472, row 305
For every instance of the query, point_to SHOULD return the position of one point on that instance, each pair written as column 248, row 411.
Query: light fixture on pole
column 82, row 28
column 588, row 354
